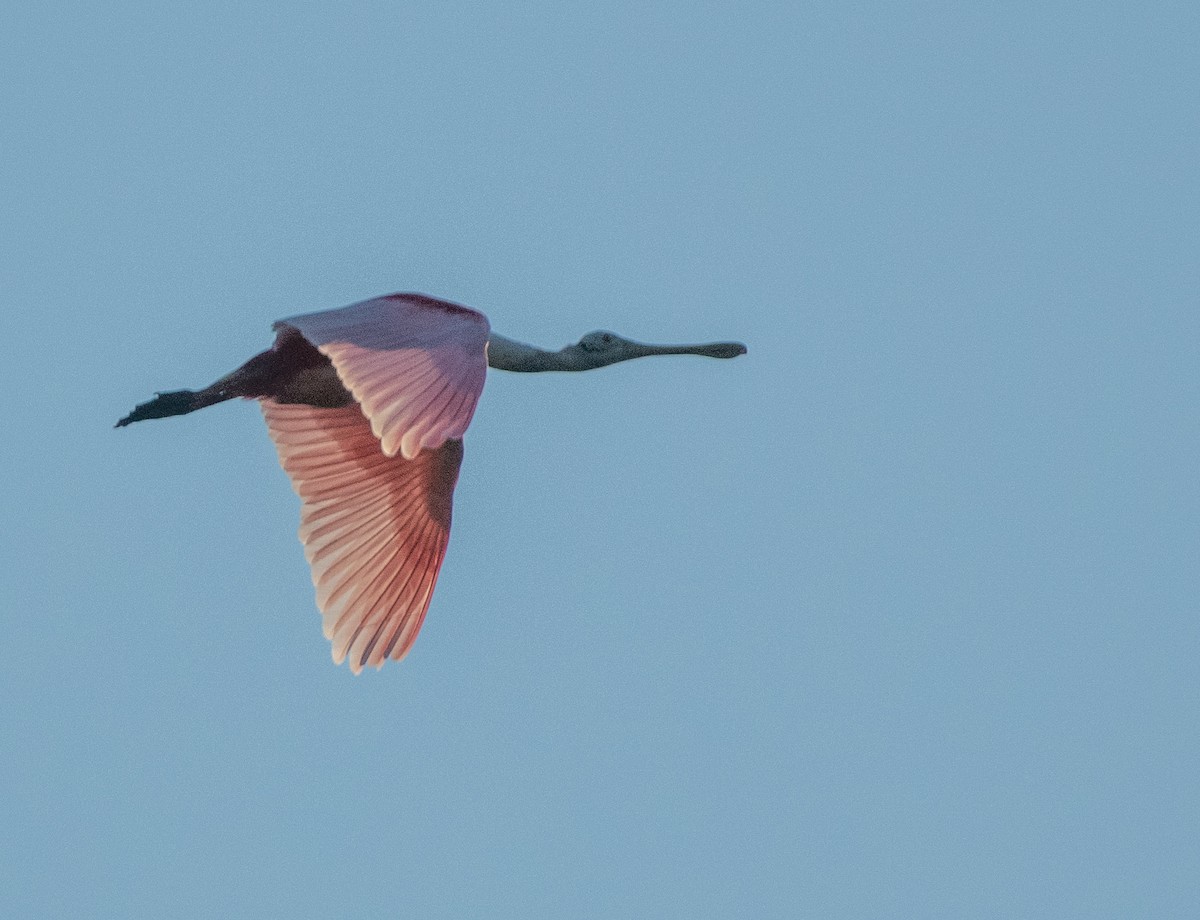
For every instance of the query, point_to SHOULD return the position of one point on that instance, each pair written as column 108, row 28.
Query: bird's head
column 601, row 342
column 600, row 348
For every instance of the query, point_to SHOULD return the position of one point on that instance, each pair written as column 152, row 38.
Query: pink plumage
column 376, row 479
column 415, row 365
column 374, row 527
column 367, row 406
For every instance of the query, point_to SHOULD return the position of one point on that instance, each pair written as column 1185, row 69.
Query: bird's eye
column 608, row 340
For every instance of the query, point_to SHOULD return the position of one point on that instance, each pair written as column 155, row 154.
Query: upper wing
column 374, row 528
column 416, row 365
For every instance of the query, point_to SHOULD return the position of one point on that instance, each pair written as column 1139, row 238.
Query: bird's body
column 367, row 406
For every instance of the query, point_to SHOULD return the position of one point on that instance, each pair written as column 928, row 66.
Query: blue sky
column 895, row 616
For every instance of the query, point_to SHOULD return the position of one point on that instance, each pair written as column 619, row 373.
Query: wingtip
column 340, row 656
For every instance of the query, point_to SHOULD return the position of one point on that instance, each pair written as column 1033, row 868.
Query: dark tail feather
column 177, row 402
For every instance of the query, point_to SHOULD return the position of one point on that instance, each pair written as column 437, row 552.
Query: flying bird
column 367, row 406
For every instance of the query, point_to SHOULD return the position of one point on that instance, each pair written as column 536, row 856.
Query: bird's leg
column 181, row 402
column 266, row 374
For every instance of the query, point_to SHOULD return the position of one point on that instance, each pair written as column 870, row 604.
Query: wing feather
column 416, row 365
column 374, row 527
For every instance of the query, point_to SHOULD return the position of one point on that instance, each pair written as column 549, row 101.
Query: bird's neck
column 507, row 355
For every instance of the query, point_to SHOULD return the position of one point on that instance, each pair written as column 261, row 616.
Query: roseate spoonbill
column 367, row 406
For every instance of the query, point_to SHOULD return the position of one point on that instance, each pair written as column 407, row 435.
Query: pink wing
column 416, row 365
column 374, row 527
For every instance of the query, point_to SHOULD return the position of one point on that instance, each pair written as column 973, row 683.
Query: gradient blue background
column 894, row 617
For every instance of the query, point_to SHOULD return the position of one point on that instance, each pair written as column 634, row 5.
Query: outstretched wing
column 374, row 527
column 376, row 479
column 416, row 365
